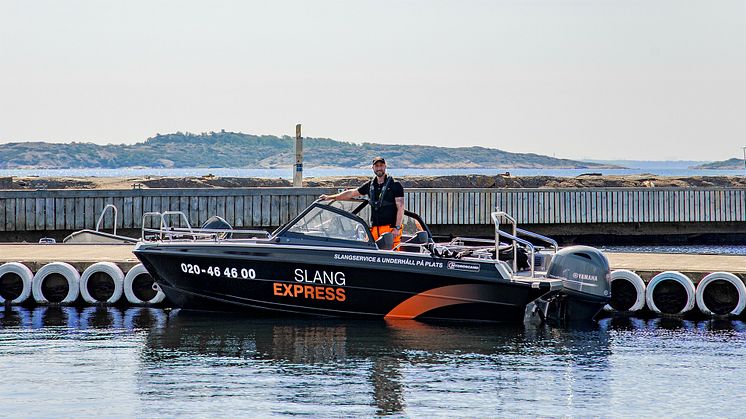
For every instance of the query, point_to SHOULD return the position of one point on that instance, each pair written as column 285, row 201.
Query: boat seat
column 413, row 244
column 385, row 241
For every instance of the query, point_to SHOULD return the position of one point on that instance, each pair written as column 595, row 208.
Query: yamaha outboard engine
column 586, row 283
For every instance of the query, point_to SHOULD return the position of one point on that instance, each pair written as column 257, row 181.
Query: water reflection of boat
column 325, row 263
column 385, row 352
column 328, row 340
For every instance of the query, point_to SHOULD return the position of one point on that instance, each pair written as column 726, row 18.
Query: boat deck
column 645, row 264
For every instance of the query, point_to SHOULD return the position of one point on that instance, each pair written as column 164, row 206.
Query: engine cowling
column 586, row 283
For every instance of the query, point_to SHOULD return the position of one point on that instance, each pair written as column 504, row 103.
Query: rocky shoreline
column 590, row 180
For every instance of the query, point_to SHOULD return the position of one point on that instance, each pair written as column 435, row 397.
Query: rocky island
column 238, row 150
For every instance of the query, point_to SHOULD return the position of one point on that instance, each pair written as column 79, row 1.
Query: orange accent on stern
column 435, row 298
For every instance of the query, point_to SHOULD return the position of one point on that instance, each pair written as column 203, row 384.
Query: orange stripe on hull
column 435, row 298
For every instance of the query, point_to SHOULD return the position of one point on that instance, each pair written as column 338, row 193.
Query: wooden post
column 298, row 168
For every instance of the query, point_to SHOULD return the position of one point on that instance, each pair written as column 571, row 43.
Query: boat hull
column 293, row 280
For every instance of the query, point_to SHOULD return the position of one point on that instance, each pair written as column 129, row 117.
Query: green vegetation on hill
column 230, row 149
column 730, row 164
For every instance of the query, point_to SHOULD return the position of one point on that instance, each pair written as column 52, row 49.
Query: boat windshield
column 322, row 221
column 411, row 222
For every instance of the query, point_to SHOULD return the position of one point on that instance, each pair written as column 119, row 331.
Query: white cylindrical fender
column 663, row 298
column 110, row 276
column 728, row 299
column 632, row 297
column 7, row 273
column 138, row 277
column 42, row 294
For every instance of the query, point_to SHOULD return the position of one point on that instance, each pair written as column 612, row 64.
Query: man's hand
column 342, row 196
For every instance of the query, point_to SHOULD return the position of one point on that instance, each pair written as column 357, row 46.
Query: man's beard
column 380, row 172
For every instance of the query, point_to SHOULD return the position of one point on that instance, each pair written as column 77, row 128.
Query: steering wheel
column 361, row 233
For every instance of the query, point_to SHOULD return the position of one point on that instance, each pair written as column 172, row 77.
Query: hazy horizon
column 659, row 80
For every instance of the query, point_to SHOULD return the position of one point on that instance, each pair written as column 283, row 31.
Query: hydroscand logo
column 586, row 277
column 458, row 266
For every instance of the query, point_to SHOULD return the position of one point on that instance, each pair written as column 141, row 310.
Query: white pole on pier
column 298, row 168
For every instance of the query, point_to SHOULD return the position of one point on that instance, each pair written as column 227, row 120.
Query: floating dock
column 80, row 256
column 655, row 283
column 646, row 265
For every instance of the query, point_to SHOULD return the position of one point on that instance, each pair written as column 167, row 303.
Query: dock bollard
column 15, row 283
column 670, row 292
column 627, row 292
column 721, row 294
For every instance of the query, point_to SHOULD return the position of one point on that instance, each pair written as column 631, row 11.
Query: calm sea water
column 288, row 174
column 67, row 362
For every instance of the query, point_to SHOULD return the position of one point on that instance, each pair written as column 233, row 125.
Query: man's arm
column 399, row 212
column 345, row 195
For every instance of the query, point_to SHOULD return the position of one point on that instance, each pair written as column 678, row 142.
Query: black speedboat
column 325, row 262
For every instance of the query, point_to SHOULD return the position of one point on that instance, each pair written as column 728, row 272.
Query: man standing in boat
column 386, row 197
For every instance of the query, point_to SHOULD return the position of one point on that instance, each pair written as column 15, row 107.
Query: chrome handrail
column 101, row 217
column 528, row 244
column 514, row 237
column 165, row 230
column 496, row 216
column 495, row 219
column 471, row 239
column 538, row 236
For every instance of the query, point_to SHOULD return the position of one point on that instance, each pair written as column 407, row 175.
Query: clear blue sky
column 604, row 79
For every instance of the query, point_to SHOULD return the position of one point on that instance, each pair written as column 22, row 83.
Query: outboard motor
column 218, row 223
column 586, row 283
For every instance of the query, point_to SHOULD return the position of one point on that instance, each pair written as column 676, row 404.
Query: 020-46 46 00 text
column 216, row 271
